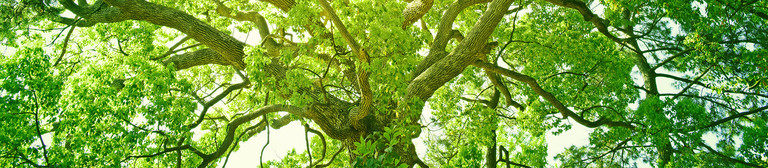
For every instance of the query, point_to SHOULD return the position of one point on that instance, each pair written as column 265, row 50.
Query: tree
column 133, row 83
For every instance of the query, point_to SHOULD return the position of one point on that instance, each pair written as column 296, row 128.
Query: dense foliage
column 134, row 83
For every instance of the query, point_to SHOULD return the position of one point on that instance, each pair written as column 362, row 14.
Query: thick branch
column 444, row 34
column 195, row 58
column 434, row 77
column 227, row 46
column 362, row 75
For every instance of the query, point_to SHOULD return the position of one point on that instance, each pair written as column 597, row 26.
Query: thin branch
column 37, row 127
column 261, row 156
column 179, row 148
column 707, row 86
column 322, row 139
column 172, row 49
column 26, row 160
column 216, row 99
column 231, row 128
column 726, row 157
column 551, row 98
column 691, row 84
column 511, row 34
column 306, row 140
column 66, row 41
column 504, row 157
column 614, row 149
column 662, row 63
column 142, row 128
column 258, row 125
column 332, row 158
column 732, row 117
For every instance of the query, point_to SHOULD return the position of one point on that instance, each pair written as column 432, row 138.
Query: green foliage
column 686, row 78
column 29, row 93
column 377, row 150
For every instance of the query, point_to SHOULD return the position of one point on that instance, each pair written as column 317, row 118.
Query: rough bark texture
column 415, row 10
column 199, row 57
column 434, row 77
column 227, row 46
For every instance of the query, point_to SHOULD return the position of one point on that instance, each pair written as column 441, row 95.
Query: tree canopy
column 134, row 83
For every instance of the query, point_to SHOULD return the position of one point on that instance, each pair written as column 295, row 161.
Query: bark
column 199, row 57
column 229, row 48
column 444, row 34
column 434, row 77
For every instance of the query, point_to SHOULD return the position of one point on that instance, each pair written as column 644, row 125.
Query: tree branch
column 662, row 63
column 216, row 99
column 230, row 49
column 366, row 95
column 444, row 34
column 551, row 98
column 707, row 86
column 726, row 157
column 232, row 127
column 732, row 117
column 436, row 75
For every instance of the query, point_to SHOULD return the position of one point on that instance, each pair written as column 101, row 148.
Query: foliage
column 134, row 83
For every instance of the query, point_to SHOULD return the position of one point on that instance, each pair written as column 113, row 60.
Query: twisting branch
column 322, row 139
column 366, row 95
